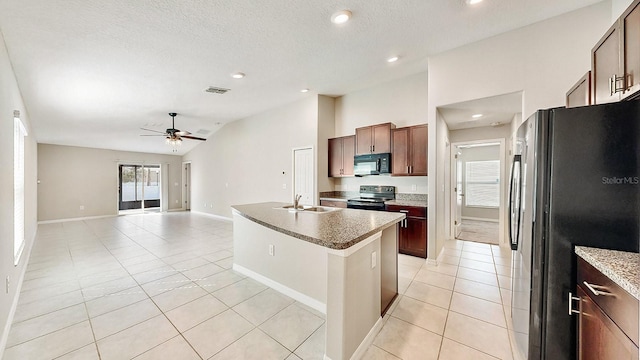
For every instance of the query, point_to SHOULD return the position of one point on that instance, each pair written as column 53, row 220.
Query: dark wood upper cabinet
column 630, row 24
column 409, row 151
column 374, row 139
column 341, row 152
column 615, row 60
column 580, row 93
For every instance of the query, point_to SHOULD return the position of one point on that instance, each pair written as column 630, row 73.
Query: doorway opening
column 139, row 188
column 477, row 174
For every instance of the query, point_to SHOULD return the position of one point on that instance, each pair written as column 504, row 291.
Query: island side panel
column 353, row 300
column 388, row 267
column 296, row 264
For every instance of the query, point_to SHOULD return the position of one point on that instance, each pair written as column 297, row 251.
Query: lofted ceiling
column 93, row 72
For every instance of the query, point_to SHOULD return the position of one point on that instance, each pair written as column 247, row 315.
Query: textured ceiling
column 93, row 72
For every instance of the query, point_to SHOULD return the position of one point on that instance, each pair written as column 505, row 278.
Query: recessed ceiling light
column 304, row 90
column 476, row 116
column 473, row 2
column 392, row 59
column 238, row 75
column 341, row 17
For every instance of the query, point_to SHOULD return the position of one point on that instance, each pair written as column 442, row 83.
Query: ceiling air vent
column 203, row 132
column 216, row 90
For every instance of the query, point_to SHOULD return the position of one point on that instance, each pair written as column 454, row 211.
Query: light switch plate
column 374, row 259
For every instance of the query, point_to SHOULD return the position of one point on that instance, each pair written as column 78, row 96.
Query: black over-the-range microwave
column 372, row 164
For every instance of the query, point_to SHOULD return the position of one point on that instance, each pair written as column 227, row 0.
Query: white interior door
column 303, row 175
column 459, row 193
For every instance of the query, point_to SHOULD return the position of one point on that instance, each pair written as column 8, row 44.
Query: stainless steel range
column 372, row 197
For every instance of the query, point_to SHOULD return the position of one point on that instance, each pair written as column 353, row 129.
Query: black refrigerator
column 574, row 181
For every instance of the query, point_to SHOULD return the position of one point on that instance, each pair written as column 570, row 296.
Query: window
column 482, row 183
column 19, row 132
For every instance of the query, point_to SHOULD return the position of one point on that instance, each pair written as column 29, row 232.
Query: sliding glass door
column 139, row 186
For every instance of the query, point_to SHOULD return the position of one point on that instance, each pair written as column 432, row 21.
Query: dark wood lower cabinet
column 413, row 237
column 599, row 338
column 608, row 317
column 413, row 230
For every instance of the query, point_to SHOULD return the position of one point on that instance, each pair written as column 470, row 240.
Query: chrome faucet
column 296, row 201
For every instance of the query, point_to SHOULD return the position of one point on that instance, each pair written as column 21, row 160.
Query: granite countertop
column 418, row 203
column 620, row 266
column 338, row 229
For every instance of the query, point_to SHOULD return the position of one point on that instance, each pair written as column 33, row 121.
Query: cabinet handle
column 610, row 86
column 571, row 299
column 408, row 170
column 613, row 84
column 597, row 290
column 373, row 148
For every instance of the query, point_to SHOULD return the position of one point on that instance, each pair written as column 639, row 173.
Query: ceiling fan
column 174, row 136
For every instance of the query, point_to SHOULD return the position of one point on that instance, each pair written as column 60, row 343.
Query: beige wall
column 542, row 60
column 249, row 160
column 11, row 100
column 71, row 177
column 402, row 102
column 326, row 129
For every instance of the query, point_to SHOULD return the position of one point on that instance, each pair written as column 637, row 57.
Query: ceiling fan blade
column 153, row 135
column 160, row 132
column 193, row 138
column 182, row 133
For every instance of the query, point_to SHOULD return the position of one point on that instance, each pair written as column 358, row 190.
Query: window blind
column 482, row 183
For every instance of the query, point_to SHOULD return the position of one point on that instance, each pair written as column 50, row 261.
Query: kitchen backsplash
column 354, row 194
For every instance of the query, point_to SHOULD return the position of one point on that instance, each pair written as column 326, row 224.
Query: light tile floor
column 160, row 286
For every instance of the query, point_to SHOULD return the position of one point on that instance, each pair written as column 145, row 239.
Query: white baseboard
column 479, row 219
column 367, row 341
column 307, row 300
column 219, row 217
column 75, row 219
column 16, row 297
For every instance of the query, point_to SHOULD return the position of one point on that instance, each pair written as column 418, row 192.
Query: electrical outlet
column 272, row 250
column 8, row 284
column 81, row 207
column 205, row 204
column 176, row 201
column 211, row 206
column 414, row 187
column 374, row 259
column 284, row 186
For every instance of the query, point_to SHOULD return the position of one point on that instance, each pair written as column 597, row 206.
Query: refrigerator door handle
column 514, row 211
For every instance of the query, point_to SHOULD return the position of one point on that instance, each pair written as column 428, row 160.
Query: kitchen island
column 342, row 262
